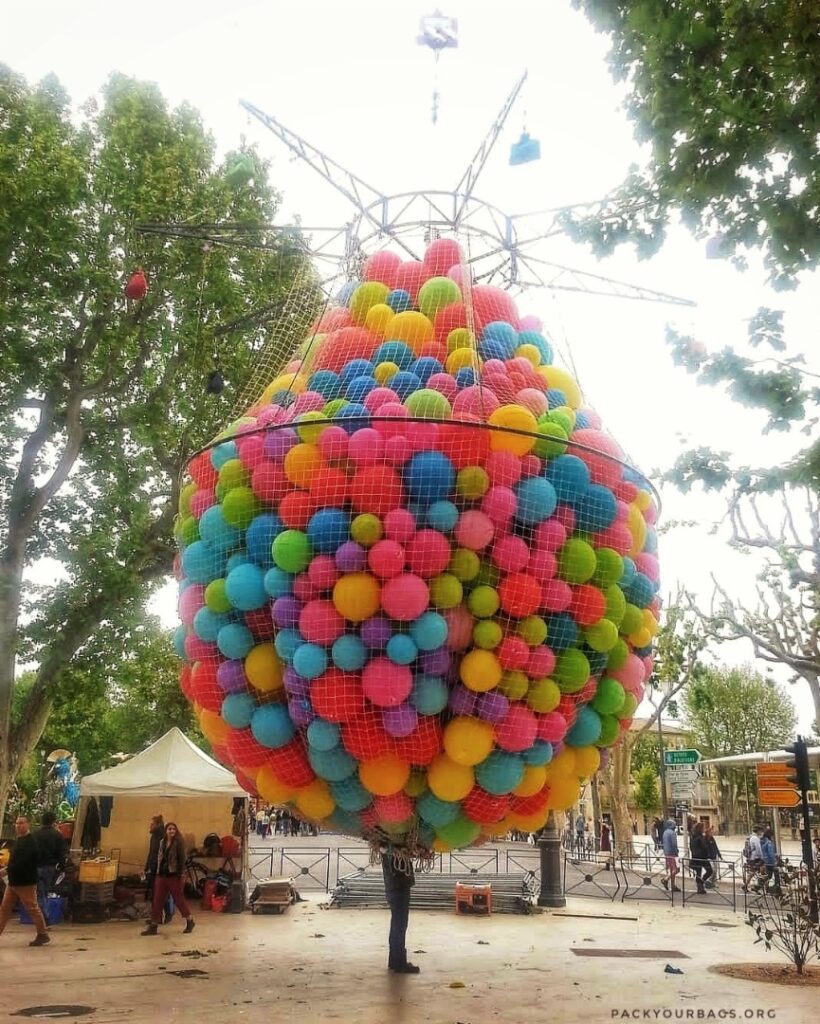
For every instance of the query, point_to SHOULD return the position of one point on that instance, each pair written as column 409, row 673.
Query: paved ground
column 328, row 965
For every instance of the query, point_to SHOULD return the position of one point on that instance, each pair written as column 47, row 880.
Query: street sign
column 689, row 756
column 684, row 792
column 682, row 771
column 775, row 785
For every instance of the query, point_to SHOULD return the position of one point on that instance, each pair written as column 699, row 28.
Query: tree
column 645, row 753
column 647, row 795
column 735, row 711
column 103, row 399
column 724, row 94
column 677, row 650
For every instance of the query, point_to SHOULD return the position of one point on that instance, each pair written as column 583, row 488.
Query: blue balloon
column 238, row 709
column 310, row 660
column 540, row 342
column 353, row 417
column 500, row 772
column 326, row 383
column 429, row 631
column 429, row 476
column 286, row 643
column 466, row 377
column 539, row 753
column 586, row 729
column 201, row 563
column 278, row 583
column 504, row 334
column 640, row 590
column 399, row 300
column 345, row 292
column 437, row 812
column 271, row 725
column 245, row 587
column 581, row 421
column 207, row 624
column 214, row 530
column 442, row 516
column 323, row 735
column 404, row 383
column 429, row 695
column 328, row 529
column 556, row 397
column 595, row 509
column 234, row 640
column 179, row 642
column 222, row 453
column 348, row 653
column 494, row 348
column 425, row 367
column 536, row 500
column 359, row 388
column 237, row 558
column 351, row 795
column 356, row 368
column 628, row 575
column 562, row 632
column 260, row 536
column 344, row 822
column 401, row 649
column 333, row 765
column 394, row 352
column 568, row 475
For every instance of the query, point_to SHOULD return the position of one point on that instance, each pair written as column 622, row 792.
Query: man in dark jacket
column 22, row 882
column 156, row 830
column 397, row 868
column 51, row 848
column 699, row 857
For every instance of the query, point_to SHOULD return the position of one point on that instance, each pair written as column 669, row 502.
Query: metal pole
column 664, row 806
column 549, row 844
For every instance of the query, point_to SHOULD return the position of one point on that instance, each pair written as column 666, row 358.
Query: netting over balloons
column 418, row 582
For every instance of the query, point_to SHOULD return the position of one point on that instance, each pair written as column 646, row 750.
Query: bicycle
column 195, row 877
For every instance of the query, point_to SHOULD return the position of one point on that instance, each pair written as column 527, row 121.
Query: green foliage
column 724, row 93
column 647, row 797
column 645, row 754
column 102, row 400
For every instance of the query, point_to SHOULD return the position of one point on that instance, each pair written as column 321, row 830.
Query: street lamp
column 651, row 687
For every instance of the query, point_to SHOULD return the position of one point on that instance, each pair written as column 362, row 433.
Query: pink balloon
column 366, row 446
column 616, row 537
column 200, row 650
column 459, row 628
column 510, row 553
column 190, row 601
column 322, row 572
column 475, row 401
column 399, row 525
column 397, row 450
column 320, row 623
column 394, row 808
column 303, row 587
column 556, row 595
column 379, row 397
column 513, row 652
column 428, row 553
column 386, row 558
column 499, row 504
column 334, row 443
column 423, row 437
column 444, row 384
column 405, row 597
column 201, row 501
column 535, row 401
column 530, row 465
column 503, row 468
column 550, row 535
column 250, row 449
column 474, row 530
column 551, row 727
column 541, row 663
column 517, row 729
column 648, row 565
column 532, row 323
column 309, row 401
column 385, row 683
column 542, row 564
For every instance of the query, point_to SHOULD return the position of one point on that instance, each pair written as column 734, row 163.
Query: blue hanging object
column 525, row 150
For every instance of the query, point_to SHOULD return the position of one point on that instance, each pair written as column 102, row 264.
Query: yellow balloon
column 535, row 775
column 636, row 525
column 440, row 846
column 562, row 381
column 411, row 327
column 384, row 776
column 271, row 787
column 640, row 638
column 468, row 740
column 563, row 763
column 302, row 464
column 460, row 337
column 448, row 780
column 480, row 671
column 384, row 372
column 650, row 622
column 512, row 417
column 356, row 596
column 366, row 296
column 214, row 727
column 530, row 353
column 315, row 800
column 587, row 761
column 529, row 822
column 263, row 668
column 494, row 829
column 461, row 358
column 563, row 793
column 643, row 499
column 378, row 319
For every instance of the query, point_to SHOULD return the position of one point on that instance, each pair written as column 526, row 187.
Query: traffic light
column 799, row 775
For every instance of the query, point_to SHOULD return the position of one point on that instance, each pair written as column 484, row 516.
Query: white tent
column 174, row 778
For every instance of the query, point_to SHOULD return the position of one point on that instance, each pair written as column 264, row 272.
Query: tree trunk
column 619, row 784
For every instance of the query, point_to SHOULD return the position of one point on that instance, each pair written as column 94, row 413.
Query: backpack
column 747, row 848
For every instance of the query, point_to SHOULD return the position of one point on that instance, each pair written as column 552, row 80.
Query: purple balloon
column 462, row 701
column 285, row 611
column 436, row 663
column 231, row 677
column 350, row 557
column 296, row 685
column 492, row 706
column 301, row 711
column 279, row 442
column 376, row 632
column 400, row 720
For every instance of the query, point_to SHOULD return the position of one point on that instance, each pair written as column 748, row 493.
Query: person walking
column 156, row 830
column 657, row 833
column 51, row 848
column 606, row 843
column 399, row 879
column 770, row 859
column 21, row 882
column 580, row 830
column 670, row 852
column 168, row 880
column 752, row 857
column 699, row 857
column 713, row 853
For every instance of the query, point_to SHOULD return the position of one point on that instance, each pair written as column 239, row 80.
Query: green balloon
column 215, row 597
column 460, row 832
column 602, row 635
column 610, row 731
column 632, row 620
column 188, row 530
column 576, row 561
column 617, row 656
column 437, row 293
column 239, row 506
column 630, row 706
column 571, row 670
column 563, row 420
column 608, row 569
column 615, row 604
column 609, row 697
column 429, row 404
column 292, row 551
column 552, row 440
column 334, row 406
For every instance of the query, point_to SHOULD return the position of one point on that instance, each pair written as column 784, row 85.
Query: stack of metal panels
column 511, row 893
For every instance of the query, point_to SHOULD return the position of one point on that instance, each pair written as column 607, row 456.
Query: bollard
column 549, row 845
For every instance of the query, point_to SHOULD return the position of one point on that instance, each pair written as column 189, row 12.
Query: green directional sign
column 681, row 756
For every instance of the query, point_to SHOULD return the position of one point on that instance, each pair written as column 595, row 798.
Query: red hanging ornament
column 137, row 287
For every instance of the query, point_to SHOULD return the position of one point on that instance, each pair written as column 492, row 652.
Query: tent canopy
column 171, row 767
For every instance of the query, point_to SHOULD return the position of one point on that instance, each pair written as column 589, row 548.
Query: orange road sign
column 778, row 798
column 774, row 768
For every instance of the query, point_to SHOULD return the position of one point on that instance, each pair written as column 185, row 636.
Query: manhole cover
column 58, row 1010
column 649, row 954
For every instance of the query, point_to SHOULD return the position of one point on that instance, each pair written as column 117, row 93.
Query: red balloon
column 202, row 472
column 290, row 763
column 448, row 319
column 376, row 489
column 137, row 287
column 260, row 623
column 332, row 320
column 243, row 749
column 410, row 277
column 338, row 696
column 520, row 594
column 464, row 446
column 330, row 487
column 296, row 508
column 491, row 304
column 442, row 254
column 341, row 346
column 204, row 687
column 588, row 604
column 423, row 743
column 269, row 483
column 365, row 737
column 382, row 266
column 483, row 807
column 247, row 784
column 530, row 804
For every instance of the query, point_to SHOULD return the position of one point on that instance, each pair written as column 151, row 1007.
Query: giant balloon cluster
column 418, row 582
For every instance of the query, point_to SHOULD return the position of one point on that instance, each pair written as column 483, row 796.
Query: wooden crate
column 272, row 896
column 100, row 869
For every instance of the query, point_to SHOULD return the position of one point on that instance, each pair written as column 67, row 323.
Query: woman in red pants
column 168, row 881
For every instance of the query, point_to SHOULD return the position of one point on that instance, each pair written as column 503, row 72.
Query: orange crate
column 100, row 869
column 474, row 899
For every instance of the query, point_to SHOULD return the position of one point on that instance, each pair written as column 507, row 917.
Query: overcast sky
column 351, row 79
